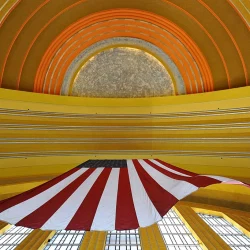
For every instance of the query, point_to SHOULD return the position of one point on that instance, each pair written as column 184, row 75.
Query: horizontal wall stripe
column 172, row 128
column 145, row 153
column 222, row 112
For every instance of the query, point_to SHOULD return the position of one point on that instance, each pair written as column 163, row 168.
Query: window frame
column 20, row 233
column 169, row 229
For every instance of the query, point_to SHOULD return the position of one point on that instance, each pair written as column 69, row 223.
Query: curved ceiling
column 206, row 42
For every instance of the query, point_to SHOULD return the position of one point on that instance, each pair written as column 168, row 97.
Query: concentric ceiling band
column 83, row 57
column 128, row 28
column 212, row 37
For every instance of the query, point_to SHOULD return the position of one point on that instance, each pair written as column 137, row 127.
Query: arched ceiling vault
column 207, row 40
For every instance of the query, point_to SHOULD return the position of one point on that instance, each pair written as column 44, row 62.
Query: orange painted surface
column 184, row 56
column 191, row 53
column 121, row 30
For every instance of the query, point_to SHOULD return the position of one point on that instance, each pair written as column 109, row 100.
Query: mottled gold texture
column 123, row 72
column 129, row 42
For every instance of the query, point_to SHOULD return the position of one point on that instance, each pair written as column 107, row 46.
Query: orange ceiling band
column 112, row 35
column 64, row 64
column 158, row 20
column 137, row 31
column 98, row 15
column 202, row 64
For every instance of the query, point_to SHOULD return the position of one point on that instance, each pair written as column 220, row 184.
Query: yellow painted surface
column 151, row 238
column 238, row 97
column 145, row 243
column 4, row 227
column 238, row 218
column 94, row 240
column 233, row 188
column 240, row 222
column 86, row 240
column 213, row 209
column 36, row 240
column 101, row 241
column 229, row 199
column 208, row 239
column 7, row 189
column 204, row 133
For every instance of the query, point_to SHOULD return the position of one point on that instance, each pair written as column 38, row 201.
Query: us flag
column 105, row 195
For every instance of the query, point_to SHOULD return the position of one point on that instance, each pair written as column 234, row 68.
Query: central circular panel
column 122, row 72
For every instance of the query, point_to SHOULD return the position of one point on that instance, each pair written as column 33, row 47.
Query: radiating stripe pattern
column 106, row 195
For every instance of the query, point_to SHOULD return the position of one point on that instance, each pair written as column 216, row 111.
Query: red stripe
column 125, row 211
column 162, row 200
column 180, row 170
column 198, row 181
column 85, row 214
column 43, row 213
column 5, row 204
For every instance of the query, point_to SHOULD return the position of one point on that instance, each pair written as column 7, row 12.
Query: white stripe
column 219, row 178
column 177, row 188
column 61, row 218
column 144, row 208
column 168, row 169
column 21, row 210
column 106, row 211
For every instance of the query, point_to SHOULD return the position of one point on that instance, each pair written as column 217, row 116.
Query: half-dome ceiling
column 101, row 48
column 122, row 72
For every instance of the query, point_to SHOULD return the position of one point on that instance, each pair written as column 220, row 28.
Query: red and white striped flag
column 105, row 195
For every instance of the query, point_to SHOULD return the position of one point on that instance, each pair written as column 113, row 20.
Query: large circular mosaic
column 123, row 72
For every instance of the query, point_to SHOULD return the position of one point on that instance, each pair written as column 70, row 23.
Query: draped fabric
column 105, row 195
